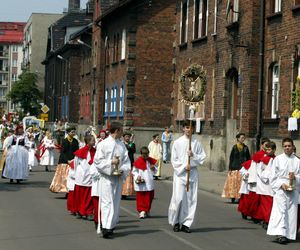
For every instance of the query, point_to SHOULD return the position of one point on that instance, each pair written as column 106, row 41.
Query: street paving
column 33, row 218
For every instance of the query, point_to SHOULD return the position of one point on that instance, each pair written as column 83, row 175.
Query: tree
column 26, row 93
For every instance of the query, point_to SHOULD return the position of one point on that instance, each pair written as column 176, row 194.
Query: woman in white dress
column 47, row 152
column 16, row 165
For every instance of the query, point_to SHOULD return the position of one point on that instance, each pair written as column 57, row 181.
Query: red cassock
column 265, row 204
column 83, row 199
column 244, row 199
column 71, row 207
column 144, row 198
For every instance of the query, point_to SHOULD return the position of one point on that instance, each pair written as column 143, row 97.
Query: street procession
column 141, row 124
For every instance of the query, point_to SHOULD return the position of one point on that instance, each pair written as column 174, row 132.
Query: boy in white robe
column 143, row 171
column 111, row 154
column 285, row 170
column 183, row 203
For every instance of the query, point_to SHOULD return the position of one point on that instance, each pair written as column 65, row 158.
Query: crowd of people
column 97, row 173
column 267, row 186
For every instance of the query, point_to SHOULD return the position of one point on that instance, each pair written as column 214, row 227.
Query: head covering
column 69, row 129
column 18, row 127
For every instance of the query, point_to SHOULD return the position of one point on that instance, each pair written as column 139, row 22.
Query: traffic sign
column 45, row 109
column 44, row 117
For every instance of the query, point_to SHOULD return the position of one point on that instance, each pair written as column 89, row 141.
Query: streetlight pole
column 66, row 88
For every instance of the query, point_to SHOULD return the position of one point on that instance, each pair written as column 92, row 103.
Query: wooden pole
column 188, row 167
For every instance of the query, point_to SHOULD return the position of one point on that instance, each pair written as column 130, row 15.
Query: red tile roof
column 11, row 32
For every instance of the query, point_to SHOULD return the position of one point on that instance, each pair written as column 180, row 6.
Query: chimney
column 74, row 6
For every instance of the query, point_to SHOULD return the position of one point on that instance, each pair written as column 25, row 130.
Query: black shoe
column 165, row 162
column 176, row 227
column 282, row 240
column 106, row 234
column 18, row 181
column 185, row 229
column 90, row 217
column 256, row 221
column 11, row 181
column 244, row 216
column 46, row 169
column 232, row 200
column 155, row 177
column 264, row 225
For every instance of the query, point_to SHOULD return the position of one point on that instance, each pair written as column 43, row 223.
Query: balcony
column 4, row 69
column 3, row 99
column 4, row 54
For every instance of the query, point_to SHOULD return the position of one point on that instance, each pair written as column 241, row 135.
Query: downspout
column 259, row 123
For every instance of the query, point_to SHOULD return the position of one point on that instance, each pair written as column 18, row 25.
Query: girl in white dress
column 47, row 152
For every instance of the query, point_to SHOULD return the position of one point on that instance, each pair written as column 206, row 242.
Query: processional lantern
column 192, row 90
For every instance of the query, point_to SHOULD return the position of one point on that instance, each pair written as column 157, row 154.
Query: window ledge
column 183, row 45
column 296, row 8
column 274, row 16
column 271, row 120
column 200, row 39
column 114, row 63
column 122, row 61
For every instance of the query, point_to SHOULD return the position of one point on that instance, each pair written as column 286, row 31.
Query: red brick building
column 136, row 67
column 224, row 37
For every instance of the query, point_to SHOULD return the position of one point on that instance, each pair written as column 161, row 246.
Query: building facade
column 35, row 42
column 11, row 36
column 136, row 67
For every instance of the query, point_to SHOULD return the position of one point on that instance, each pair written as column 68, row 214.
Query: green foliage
column 26, row 93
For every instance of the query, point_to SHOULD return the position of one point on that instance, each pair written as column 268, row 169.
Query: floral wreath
column 192, row 74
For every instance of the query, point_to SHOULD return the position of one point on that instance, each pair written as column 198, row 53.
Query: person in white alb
column 285, row 171
column 183, row 203
column 83, row 179
column 111, row 155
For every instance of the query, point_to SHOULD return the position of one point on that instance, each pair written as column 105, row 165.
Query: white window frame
column 215, row 17
column 235, row 11
column 277, row 6
column 106, row 102
column 186, row 23
column 121, row 100
column 200, row 19
column 275, row 90
column 123, row 50
column 112, row 100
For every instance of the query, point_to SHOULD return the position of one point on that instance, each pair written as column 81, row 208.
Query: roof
column 11, row 32
column 109, row 9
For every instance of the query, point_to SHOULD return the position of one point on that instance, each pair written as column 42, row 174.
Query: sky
column 20, row 10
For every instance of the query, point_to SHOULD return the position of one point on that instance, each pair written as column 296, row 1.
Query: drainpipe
column 259, row 123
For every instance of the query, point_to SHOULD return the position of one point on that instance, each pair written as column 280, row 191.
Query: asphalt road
column 33, row 218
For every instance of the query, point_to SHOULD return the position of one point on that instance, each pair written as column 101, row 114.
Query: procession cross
column 197, row 78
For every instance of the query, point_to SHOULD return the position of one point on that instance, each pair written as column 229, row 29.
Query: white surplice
column 244, row 185
column 110, row 187
column 283, row 220
column 264, row 172
column 183, row 204
column 83, row 175
column 147, row 175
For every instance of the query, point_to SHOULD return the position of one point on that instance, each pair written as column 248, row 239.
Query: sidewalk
column 209, row 181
